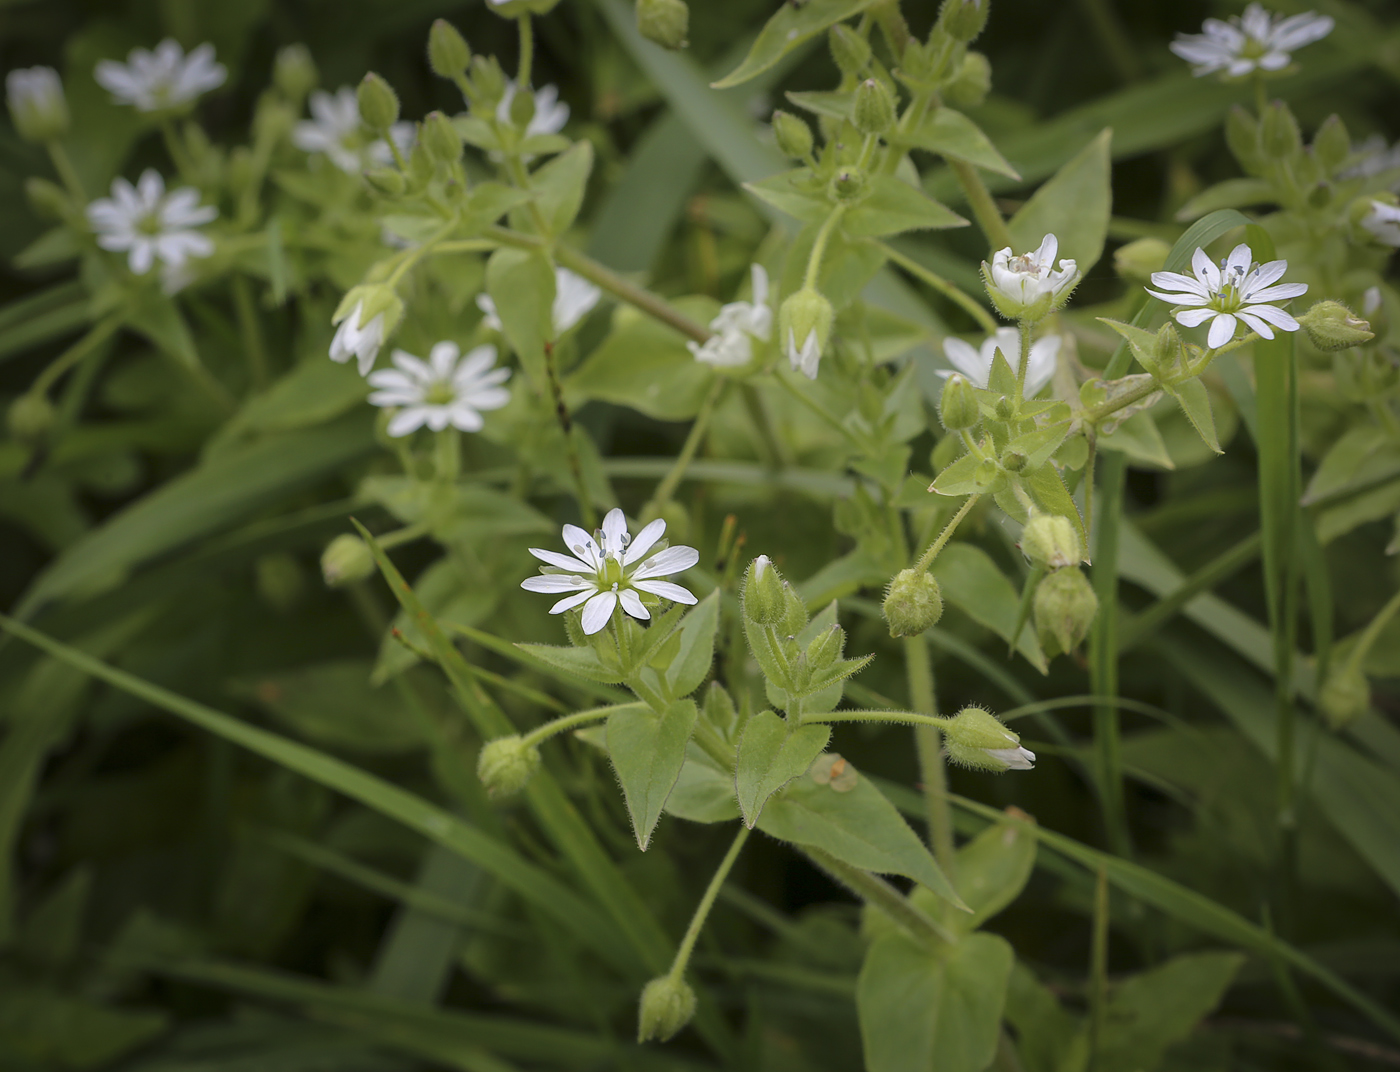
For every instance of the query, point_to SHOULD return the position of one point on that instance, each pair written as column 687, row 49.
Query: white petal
column 666, row 590
column 1282, row 292
column 671, row 560
column 1222, row 330
column 407, row 421
column 644, row 542
column 570, row 602
column 1279, row 318
column 583, row 545
column 967, row 360
column 1190, row 318
column 552, row 583
column 632, row 604
column 597, row 611
column 554, row 558
column 1254, row 323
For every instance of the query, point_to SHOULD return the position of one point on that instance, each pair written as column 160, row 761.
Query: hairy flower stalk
column 1237, row 290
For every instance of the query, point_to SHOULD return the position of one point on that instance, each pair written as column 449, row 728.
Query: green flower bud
column 1332, row 144
column 49, row 200
column 346, row 558
column 375, row 298
column 448, row 53
column 664, row 21
column 387, row 180
column 971, row 84
column 976, row 738
column 1051, row 542
column 1345, row 697
column 1242, row 137
column 294, row 73
column 440, row 138
column 506, row 765
column 963, row 20
column 804, row 328
column 848, row 185
column 957, row 406
column 826, row 648
column 913, row 603
column 874, row 107
column 919, row 67
column 279, row 581
column 1332, row 326
column 1278, row 133
column 379, row 104
column 667, row 1006
column 1065, row 606
column 793, row 135
column 522, row 109
column 1013, row 460
column 488, row 83
column 30, row 417
column 1137, row 260
column 763, row 598
column 794, row 616
column 849, row 49
column 38, row 107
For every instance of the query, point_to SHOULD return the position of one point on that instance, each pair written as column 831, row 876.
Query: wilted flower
column 37, row 104
column 1237, row 289
column 550, row 112
column 1254, row 41
column 148, row 224
column 447, row 389
column 161, row 79
column 335, row 129
column 609, row 568
column 1383, row 221
column 976, row 365
column 360, row 341
column 736, row 326
column 804, row 326
column 1028, row 286
column 574, row 298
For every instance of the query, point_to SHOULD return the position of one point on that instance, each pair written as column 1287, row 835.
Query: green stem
column 1357, row 657
column 96, row 336
column 447, row 456
column 524, row 72
column 965, row 301
column 181, row 159
column 407, row 534
column 248, row 326
column 1106, row 409
column 984, row 209
column 901, row 718
column 702, row 910
column 814, row 260
column 1204, row 579
column 1024, row 326
column 878, row 893
column 1098, row 968
column 672, row 480
column 66, row 171
column 928, row 741
column 1103, row 655
column 410, row 257
column 1261, row 96
column 620, row 288
column 540, row 734
column 566, row 425
column 893, row 26
column 926, row 559
column 1112, row 37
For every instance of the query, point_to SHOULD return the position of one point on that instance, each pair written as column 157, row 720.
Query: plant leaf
column 648, row 751
column 948, row 132
column 692, row 663
column 1075, row 206
column 771, row 754
column 789, row 27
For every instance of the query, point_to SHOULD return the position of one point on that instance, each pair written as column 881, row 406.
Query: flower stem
column 880, row 894
column 814, row 261
column 926, row 559
column 96, row 336
column 447, row 462
column 928, row 741
column 566, row 425
column 178, row 156
column 671, row 481
column 984, row 209
column 63, row 165
column 702, row 910
column 899, row 718
column 254, row 348
column 614, row 284
column 1357, row 657
column 1024, row 363
column 540, row 734
column 965, row 301
column 527, row 53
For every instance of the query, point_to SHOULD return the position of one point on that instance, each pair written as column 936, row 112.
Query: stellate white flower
column 1236, row 289
column 1374, row 156
column 1029, row 286
column 447, row 389
column 148, row 224
column 976, row 364
column 1017, row 758
column 736, row 326
column 1383, row 221
column 609, row 569
column 360, row 341
column 335, row 130
column 164, row 78
column 550, row 112
column 1254, row 41
column 37, row 104
column 574, row 298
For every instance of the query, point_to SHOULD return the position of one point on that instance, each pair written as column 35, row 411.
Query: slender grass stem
column 96, row 336
column 254, row 346
column 1103, row 655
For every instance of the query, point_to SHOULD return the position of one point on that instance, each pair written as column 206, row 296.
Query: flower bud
column 874, row 107
column 972, row 83
column 804, row 327
column 49, row 200
column 1242, row 137
column 379, row 104
column 346, row 558
column 1332, row 144
column 294, row 73
column 848, row 185
column 506, row 765
column 763, row 599
column 1332, row 326
column 913, row 603
column 963, row 20
column 667, row 1006
column 1013, row 460
column 30, row 417
column 793, row 135
column 664, row 21
column 1344, row 697
column 957, row 406
column 37, row 104
column 440, row 138
column 448, row 53
column 826, row 648
column 794, row 616
column 976, row 738
column 1137, row 260
column 1065, row 606
column 1278, row 133
column 1051, row 542
column 849, row 49
column 488, row 82
column 522, row 109
column 387, row 180
column 279, row 581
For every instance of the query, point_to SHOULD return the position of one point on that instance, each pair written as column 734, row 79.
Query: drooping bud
column 440, row 138
column 972, row 83
column 30, row 417
column 963, row 20
column 1051, row 542
column 37, row 104
column 294, row 73
column 874, row 107
column 1065, row 606
column 347, row 558
column 49, row 200
column 1344, row 697
column 379, row 104
column 667, row 1005
column 913, row 603
column 957, row 406
column 506, row 765
column 804, row 327
column 1138, row 259
column 763, row 598
column 1332, row 326
column 1332, row 144
column 664, row 21
column 976, row 738
column 826, row 648
column 793, row 135
column 1278, row 133
column 448, row 52
column 849, row 49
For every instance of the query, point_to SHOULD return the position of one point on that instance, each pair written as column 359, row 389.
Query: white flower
column 164, row 78
column 1383, row 221
column 1017, row 758
column 1237, row 289
column 1030, row 285
column 804, row 358
column 37, row 104
column 550, row 113
column 446, row 389
column 609, row 568
column 335, row 130
column 736, row 326
column 1370, row 301
column 574, row 298
column 1374, row 156
column 1254, row 41
column 361, row 341
column 976, row 365
column 149, row 225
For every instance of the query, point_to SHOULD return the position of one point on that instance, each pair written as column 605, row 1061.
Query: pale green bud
column 1065, row 607
column 1138, row 259
column 976, row 738
column 667, row 1005
column 37, row 104
column 972, row 83
column 1051, row 542
column 506, row 765
column 848, row 185
column 387, row 180
column 763, row 599
column 30, row 417
column 849, row 49
column 440, row 138
column 1332, row 144
column 804, row 328
column 1345, row 697
column 913, row 603
column 346, row 558
column 1013, row 460
column 522, row 108
column 1278, row 133
column 294, row 72
column 793, row 135
column 794, row 616
column 374, row 299
column 279, row 581
column 49, row 200
column 874, row 107
column 488, row 82
column 448, row 53
column 379, row 104
column 963, row 20
column 664, row 21
column 826, row 648
column 957, row 406
column 1332, row 326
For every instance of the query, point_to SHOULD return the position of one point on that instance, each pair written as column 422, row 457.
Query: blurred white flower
column 360, row 341
column 736, row 326
column 164, row 78
column 1029, row 285
column 447, row 389
column 148, row 224
column 335, row 130
column 1236, row 289
column 1017, row 758
column 976, row 364
column 609, row 568
column 1254, row 41
column 1383, row 221
column 1373, row 156
column 574, row 298
column 37, row 104
column 550, row 112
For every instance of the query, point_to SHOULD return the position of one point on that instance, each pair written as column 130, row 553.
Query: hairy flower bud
column 976, row 738
column 957, row 405
column 346, row 558
column 522, row 109
column 1344, row 697
column 874, row 107
column 440, row 138
column 972, row 83
column 963, row 20
column 1065, row 606
column 804, row 327
column 1332, row 144
column 488, row 83
column 826, row 648
column 1332, row 326
column 913, row 603
column 667, row 1005
column 387, row 180
column 38, row 106
column 294, row 73
column 849, row 49
column 664, row 21
column 1051, row 542
column 1278, row 132
column 793, row 135
column 448, row 52
column 763, row 598
column 505, row 765
column 379, row 104
column 1138, row 259
column 848, row 185
column 30, row 417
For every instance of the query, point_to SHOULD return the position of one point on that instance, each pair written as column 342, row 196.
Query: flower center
column 1025, row 265
column 149, row 224
column 612, row 572
column 440, row 394
column 1253, row 48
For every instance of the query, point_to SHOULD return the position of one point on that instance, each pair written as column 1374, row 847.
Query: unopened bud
column 49, row 200
column 346, row 558
column 1242, row 137
column 1065, row 607
column 913, row 603
column 804, row 327
column 848, row 185
column 1051, row 542
column 849, row 49
column 1332, row 326
column 294, row 72
column 667, row 1005
column 1138, row 259
column 1332, row 144
column 488, row 82
column 1013, row 460
column 522, row 108
column 506, row 765
column 440, row 138
column 379, row 104
column 448, row 53
column 763, row 598
column 957, row 406
column 30, row 417
column 874, row 107
column 37, row 104
column 794, row 616
column 963, row 20
column 664, row 21
column 972, row 83
column 1345, row 697
column 1279, row 135
column 826, row 648
column 976, row 738
column 279, row 581
column 793, row 135
column 387, row 180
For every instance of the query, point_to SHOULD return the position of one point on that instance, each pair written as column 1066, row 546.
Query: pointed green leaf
column 993, row 869
column 771, row 754
column 793, row 192
column 521, row 283
column 648, row 751
column 893, row 207
column 559, row 186
column 1232, row 193
column 582, row 662
column 971, row 581
column 788, row 28
column 1138, row 438
column 1148, row 1012
column 950, row 133
column 692, row 662
column 1048, row 489
column 1074, row 206
column 959, row 477
column 1195, row 403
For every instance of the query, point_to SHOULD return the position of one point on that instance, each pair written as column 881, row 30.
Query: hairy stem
column 984, row 209
column 956, row 294
column 702, row 910
column 540, row 734
column 928, row 741
column 926, row 559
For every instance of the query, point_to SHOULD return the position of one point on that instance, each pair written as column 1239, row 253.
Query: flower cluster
column 1028, row 286
column 447, row 389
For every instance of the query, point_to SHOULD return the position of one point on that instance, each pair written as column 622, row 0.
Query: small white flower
column 361, row 341
column 335, row 130
column 447, row 389
column 161, row 79
column 976, row 365
column 148, row 224
column 574, row 298
column 806, row 357
column 1383, row 221
column 608, row 569
column 1254, row 41
column 1017, row 758
column 1374, row 156
column 736, row 326
column 37, row 104
column 1236, row 289
column 550, row 112
column 1030, row 284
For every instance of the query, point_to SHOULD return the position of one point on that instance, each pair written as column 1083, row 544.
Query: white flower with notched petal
column 161, row 79
column 148, row 224
column 550, row 112
column 574, row 298
column 1236, row 289
column 1383, row 221
column 447, row 389
column 976, row 365
column 736, row 326
column 360, row 341
column 1028, row 286
column 609, row 569
column 1254, row 41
